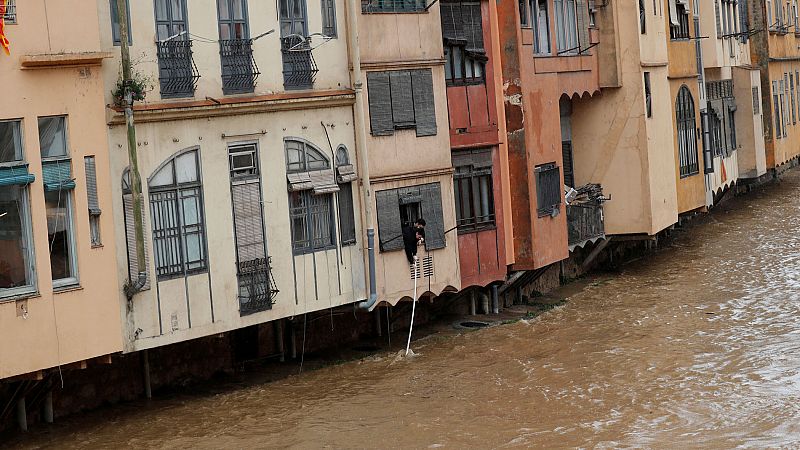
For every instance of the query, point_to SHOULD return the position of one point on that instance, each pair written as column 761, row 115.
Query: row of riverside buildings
column 282, row 146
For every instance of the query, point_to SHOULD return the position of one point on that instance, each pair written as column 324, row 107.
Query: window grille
column 392, row 6
column 474, row 188
column 178, row 223
column 687, row 133
column 177, row 73
column 10, row 17
column 548, row 189
column 239, row 69
column 679, row 19
column 401, row 99
column 299, row 67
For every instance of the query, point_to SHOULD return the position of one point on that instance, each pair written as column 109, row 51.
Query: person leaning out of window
column 413, row 236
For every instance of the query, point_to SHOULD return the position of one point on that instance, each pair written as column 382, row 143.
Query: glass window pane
column 52, row 137
column 315, row 160
column 186, row 168
column 59, row 234
column 294, row 157
column 163, row 177
column 194, row 248
column 15, row 252
column 191, row 207
column 177, row 10
column 238, row 9
column 224, row 31
column 161, row 10
column 10, row 142
column 222, row 7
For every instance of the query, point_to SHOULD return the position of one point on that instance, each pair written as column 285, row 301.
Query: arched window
column 176, row 210
column 342, row 159
column 303, row 157
column 687, row 133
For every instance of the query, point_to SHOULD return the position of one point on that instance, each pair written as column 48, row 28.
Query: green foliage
column 139, row 86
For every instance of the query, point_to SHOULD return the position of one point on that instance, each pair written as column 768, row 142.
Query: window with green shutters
column 401, row 99
column 395, row 207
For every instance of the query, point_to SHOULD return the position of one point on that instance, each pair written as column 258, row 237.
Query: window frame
column 686, row 115
column 536, row 12
column 681, row 30
column 11, row 18
column 332, row 19
column 566, row 27
column 29, row 249
column 545, row 206
column 306, row 211
column 467, row 175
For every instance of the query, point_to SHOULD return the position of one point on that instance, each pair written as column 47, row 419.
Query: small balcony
column 177, row 73
column 393, row 6
column 257, row 288
column 585, row 216
column 239, row 69
column 299, row 67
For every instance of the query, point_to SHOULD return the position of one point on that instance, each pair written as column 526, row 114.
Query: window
column 648, row 95
column 398, row 207
column 10, row 16
column 311, row 187
column 401, row 99
column 548, row 190
column 679, row 19
column 474, row 189
column 345, row 176
column 329, row 18
column 299, row 67
column 524, row 20
column 793, row 105
column 732, row 128
column 464, row 54
column 566, row 26
column 769, row 14
column 239, row 69
column 253, row 272
column 16, row 245
column 177, row 73
column 776, row 106
column 687, row 133
column 782, row 95
column 115, row 31
column 642, row 18
column 392, row 6
column 541, row 27
column 58, row 185
column 90, row 167
column 178, row 223
column 233, row 19
column 756, row 101
column 130, row 233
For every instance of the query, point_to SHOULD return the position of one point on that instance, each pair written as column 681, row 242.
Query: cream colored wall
column 298, row 293
column 719, row 52
column 331, row 57
column 82, row 323
column 752, row 156
column 631, row 155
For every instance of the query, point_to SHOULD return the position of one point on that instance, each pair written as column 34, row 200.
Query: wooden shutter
column 433, row 215
column 91, row 185
column 130, row 238
column 473, row 28
column 248, row 222
column 347, row 221
column 582, row 17
column 566, row 154
column 422, row 81
column 402, row 102
column 390, row 229
column 380, row 104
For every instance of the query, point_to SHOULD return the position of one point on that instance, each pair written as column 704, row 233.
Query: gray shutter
column 248, row 222
column 402, row 102
column 390, row 228
column 583, row 24
column 433, row 215
column 450, row 13
column 473, row 28
column 130, row 238
column 727, row 130
column 718, row 17
column 424, row 102
column 380, row 103
column 91, row 185
column 347, row 221
column 744, row 20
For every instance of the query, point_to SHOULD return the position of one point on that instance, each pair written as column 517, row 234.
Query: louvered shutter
column 390, row 228
column 380, row 104
column 347, row 220
column 422, row 81
column 583, row 24
column 433, row 215
column 91, row 186
column 718, row 17
column 473, row 28
column 402, row 102
column 248, row 222
column 744, row 20
column 566, row 154
column 130, row 238
column 451, row 20
column 57, row 175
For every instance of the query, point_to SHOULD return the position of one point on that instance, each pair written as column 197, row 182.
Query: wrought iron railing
column 299, row 67
column 177, row 73
column 257, row 288
column 585, row 223
column 239, row 69
column 393, row 6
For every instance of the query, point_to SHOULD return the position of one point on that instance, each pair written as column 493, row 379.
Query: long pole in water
column 415, row 275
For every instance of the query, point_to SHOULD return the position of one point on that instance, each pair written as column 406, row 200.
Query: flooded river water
column 697, row 346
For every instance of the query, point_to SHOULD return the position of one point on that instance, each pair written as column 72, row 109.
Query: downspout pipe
column 356, row 79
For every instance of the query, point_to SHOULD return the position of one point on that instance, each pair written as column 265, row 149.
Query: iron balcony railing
column 393, row 6
column 177, row 73
column 299, row 67
column 257, row 288
column 239, row 69
column 585, row 215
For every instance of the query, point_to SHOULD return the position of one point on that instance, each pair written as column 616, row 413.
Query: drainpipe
column 133, row 286
column 354, row 49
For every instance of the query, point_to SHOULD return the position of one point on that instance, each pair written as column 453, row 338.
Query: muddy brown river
column 697, row 346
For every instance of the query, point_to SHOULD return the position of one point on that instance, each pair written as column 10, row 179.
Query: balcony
column 585, row 216
column 299, row 67
column 239, row 69
column 177, row 73
column 257, row 288
column 393, row 6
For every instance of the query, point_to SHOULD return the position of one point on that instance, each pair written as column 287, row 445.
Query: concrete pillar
column 495, row 300
column 148, row 392
column 22, row 415
column 472, row 301
column 279, row 336
column 48, row 406
column 484, row 302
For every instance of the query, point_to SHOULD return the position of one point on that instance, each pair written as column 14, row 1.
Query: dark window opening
column 548, row 190
column 679, row 20
column 474, row 192
column 687, row 133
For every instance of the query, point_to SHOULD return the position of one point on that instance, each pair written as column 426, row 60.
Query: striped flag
column 3, row 40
